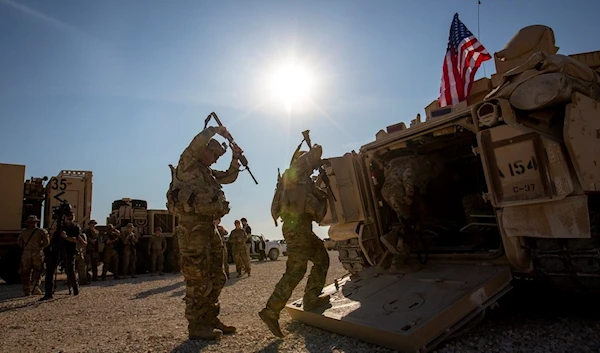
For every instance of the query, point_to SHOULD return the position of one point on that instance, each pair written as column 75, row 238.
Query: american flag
column 463, row 57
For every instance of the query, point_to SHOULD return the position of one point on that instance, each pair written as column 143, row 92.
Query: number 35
column 56, row 185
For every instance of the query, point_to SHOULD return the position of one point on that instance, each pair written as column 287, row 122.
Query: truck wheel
column 9, row 266
column 273, row 254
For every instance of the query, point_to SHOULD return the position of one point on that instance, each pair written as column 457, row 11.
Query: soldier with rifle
column 196, row 195
column 299, row 202
column 63, row 246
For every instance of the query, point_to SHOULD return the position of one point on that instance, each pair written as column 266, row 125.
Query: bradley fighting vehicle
column 144, row 221
column 517, row 198
column 22, row 198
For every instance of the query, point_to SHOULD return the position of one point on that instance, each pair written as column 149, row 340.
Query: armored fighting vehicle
column 516, row 198
column 145, row 220
column 22, row 198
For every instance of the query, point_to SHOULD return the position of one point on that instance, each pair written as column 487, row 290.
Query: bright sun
column 291, row 84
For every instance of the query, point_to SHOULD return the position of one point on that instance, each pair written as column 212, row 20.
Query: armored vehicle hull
column 510, row 180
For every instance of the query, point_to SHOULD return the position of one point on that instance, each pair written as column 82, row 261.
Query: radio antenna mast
column 479, row 35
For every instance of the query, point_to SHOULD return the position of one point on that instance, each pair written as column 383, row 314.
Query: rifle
column 322, row 172
column 234, row 146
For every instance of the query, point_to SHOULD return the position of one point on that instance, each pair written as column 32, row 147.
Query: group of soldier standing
column 80, row 253
column 195, row 195
column 238, row 239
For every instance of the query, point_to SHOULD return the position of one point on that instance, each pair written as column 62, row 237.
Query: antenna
column 479, row 35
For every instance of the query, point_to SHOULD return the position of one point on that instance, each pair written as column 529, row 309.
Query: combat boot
column 224, row 328
column 272, row 320
column 390, row 240
column 207, row 334
column 311, row 304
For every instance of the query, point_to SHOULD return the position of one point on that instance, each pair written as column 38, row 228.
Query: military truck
column 128, row 210
column 21, row 198
column 517, row 198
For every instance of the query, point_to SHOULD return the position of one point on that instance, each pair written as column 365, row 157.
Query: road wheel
column 273, row 254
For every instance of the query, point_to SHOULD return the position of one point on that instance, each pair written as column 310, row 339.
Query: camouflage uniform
column 80, row 260
column 130, row 240
column 33, row 241
column 299, row 203
column 111, row 257
column 196, row 195
column 223, row 233
column 237, row 238
column 92, row 255
column 157, row 248
column 406, row 179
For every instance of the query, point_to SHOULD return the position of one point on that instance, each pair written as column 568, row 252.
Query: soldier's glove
column 222, row 130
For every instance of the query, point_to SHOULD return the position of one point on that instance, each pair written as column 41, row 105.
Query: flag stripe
column 464, row 56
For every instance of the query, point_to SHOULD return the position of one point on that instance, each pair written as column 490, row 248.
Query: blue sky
column 121, row 87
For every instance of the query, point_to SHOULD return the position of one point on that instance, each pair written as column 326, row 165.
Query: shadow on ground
column 159, row 290
column 193, row 346
column 273, row 347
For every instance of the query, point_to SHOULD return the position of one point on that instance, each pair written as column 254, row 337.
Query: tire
column 273, row 254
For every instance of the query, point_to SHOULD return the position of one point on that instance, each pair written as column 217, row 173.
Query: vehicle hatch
column 409, row 313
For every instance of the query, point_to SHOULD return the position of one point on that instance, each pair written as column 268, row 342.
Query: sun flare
column 291, row 84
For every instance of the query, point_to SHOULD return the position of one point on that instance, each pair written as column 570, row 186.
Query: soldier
column 195, row 195
column 156, row 250
column 299, row 202
column 111, row 257
column 33, row 240
column 130, row 240
column 64, row 245
column 248, row 231
column 80, row 260
column 237, row 238
column 92, row 254
column 223, row 233
column 406, row 179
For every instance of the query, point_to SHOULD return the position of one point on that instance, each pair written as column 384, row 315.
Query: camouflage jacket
column 92, row 235
column 196, row 188
column 129, row 238
column 33, row 239
column 237, row 239
column 414, row 171
column 111, row 235
column 296, row 192
column 79, row 246
column 158, row 243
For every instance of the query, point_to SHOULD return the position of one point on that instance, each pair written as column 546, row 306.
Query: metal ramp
column 411, row 312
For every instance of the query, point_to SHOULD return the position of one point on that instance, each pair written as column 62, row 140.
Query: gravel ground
column 146, row 315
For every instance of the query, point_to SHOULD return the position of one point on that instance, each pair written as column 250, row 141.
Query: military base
column 473, row 227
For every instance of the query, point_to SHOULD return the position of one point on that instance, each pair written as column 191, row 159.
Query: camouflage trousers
column 81, row 268
column 32, row 266
column 92, row 263
column 202, row 250
column 129, row 260
column 241, row 260
column 157, row 258
column 226, row 261
column 302, row 246
column 110, row 262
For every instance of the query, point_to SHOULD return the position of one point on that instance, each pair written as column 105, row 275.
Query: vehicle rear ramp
column 411, row 312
